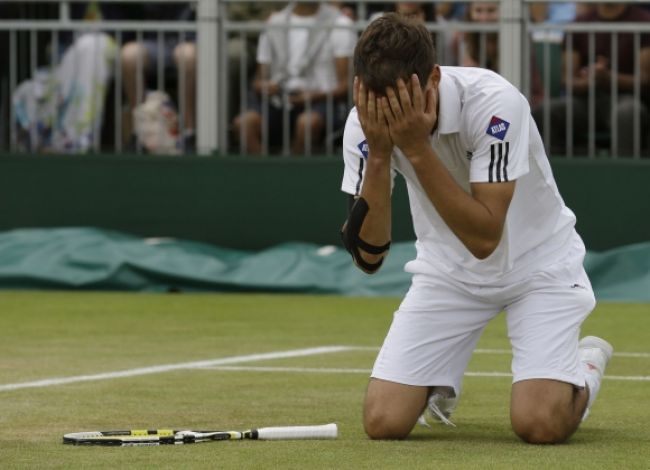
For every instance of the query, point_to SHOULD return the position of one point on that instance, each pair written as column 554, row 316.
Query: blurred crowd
column 288, row 87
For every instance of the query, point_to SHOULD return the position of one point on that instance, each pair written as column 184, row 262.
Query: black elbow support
column 353, row 242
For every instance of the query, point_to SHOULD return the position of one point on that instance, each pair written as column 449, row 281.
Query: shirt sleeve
column 355, row 153
column 344, row 38
column 355, row 156
column 498, row 127
column 263, row 49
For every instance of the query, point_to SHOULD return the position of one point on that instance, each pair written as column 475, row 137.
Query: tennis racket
column 155, row 437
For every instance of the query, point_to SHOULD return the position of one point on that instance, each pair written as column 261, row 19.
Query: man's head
column 392, row 47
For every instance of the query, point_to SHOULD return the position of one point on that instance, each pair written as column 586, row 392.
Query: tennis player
column 493, row 234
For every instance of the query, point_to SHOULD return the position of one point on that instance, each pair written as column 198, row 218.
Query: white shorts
column 439, row 322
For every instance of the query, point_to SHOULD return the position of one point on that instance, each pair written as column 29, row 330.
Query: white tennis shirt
column 485, row 133
column 321, row 74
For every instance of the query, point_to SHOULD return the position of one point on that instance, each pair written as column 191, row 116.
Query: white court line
column 180, row 366
column 317, row 370
column 250, row 358
column 326, row 370
column 508, row 351
column 631, row 354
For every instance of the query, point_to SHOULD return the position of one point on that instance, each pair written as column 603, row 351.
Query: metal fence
column 208, row 83
column 64, row 90
column 608, row 117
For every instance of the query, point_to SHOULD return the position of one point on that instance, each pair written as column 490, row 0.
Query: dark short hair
column 392, row 47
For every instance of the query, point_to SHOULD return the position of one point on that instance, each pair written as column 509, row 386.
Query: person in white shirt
column 303, row 60
column 493, row 234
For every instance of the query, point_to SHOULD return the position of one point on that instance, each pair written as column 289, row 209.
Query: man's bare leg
column 546, row 411
column 134, row 62
column 392, row 409
column 185, row 58
column 311, row 123
column 251, row 122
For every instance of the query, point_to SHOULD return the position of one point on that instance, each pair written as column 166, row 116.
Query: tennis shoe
column 442, row 402
column 595, row 353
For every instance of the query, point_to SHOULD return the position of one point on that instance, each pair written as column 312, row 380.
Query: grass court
column 79, row 361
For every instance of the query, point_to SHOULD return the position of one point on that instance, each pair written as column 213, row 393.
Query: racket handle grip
column 325, row 431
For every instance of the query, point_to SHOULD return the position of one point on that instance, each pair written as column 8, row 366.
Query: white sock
column 592, row 379
column 594, row 354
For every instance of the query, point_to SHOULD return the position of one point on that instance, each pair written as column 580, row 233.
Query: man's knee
column 312, row 120
column 542, row 422
column 379, row 424
column 132, row 53
column 540, row 428
column 391, row 409
column 248, row 120
column 545, row 411
column 185, row 54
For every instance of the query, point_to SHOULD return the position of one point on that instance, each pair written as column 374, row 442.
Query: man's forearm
column 471, row 221
column 376, row 228
column 627, row 82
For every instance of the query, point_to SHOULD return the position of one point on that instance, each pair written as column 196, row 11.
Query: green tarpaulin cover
column 94, row 259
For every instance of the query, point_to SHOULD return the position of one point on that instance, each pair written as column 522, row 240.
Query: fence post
column 510, row 41
column 207, row 76
column 64, row 11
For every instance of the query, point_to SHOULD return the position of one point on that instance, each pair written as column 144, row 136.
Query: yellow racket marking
column 146, row 432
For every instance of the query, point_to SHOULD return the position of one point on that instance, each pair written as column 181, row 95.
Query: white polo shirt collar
column 449, row 110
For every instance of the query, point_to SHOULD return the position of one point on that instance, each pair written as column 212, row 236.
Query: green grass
column 45, row 335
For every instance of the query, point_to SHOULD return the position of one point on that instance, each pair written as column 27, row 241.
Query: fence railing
column 73, row 85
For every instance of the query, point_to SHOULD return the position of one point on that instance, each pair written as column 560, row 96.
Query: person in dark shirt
column 577, row 60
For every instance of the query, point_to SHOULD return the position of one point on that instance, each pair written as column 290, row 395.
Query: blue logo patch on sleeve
column 363, row 146
column 497, row 128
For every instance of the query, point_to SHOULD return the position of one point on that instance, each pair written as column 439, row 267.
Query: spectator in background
column 349, row 9
column 476, row 49
column 243, row 48
column 450, row 11
column 178, row 52
column 562, row 12
column 298, row 66
column 421, row 11
column 60, row 108
column 445, row 13
column 547, row 44
column 417, row 10
column 577, row 62
column 481, row 49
